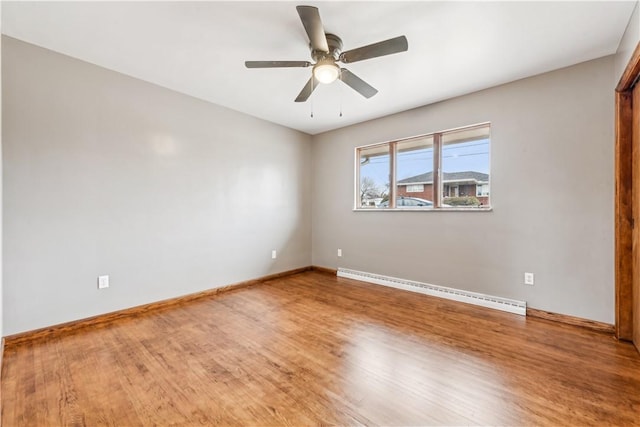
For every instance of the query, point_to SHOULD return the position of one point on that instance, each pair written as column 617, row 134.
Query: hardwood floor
column 316, row 349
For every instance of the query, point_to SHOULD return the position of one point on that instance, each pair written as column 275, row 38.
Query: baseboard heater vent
column 504, row 304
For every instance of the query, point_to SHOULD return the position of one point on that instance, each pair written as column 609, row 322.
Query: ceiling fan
column 326, row 51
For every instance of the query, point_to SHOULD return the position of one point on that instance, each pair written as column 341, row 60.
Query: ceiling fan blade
column 387, row 47
column 310, row 18
column 357, row 84
column 306, row 91
column 276, row 64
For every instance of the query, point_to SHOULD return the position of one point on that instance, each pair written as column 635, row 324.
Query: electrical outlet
column 528, row 279
column 103, row 282
column 274, row 255
column 339, row 252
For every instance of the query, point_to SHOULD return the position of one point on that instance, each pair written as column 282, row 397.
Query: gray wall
column 167, row 194
column 552, row 195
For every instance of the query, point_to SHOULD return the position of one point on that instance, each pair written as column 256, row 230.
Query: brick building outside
column 455, row 184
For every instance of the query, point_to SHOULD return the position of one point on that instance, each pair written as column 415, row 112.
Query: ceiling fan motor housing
column 335, row 48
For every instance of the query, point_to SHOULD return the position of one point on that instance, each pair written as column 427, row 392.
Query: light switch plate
column 103, row 282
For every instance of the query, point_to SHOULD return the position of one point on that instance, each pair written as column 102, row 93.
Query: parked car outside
column 408, row 202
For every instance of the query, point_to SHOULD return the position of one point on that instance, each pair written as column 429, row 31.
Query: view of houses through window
column 400, row 174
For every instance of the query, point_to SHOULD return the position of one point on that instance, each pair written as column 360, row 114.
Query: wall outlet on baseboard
column 103, row 282
column 528, row 279
column 339, row 252
column 274, row 254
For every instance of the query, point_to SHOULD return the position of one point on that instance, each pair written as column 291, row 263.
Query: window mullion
column 393, row 149
column 437, row 172
column 358, row 198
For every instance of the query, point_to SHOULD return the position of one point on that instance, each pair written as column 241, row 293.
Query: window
column 482, row 190
column 400, row 174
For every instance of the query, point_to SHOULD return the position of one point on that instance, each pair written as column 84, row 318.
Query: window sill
column 487, row 209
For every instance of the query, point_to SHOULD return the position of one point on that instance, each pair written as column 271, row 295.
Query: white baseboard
column 497, row 303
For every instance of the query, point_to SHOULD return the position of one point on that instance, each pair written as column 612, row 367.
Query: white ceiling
column 199, row 48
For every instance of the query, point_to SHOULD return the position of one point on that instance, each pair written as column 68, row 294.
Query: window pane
column 414, row 172
column 465, row 167
column 374, row 176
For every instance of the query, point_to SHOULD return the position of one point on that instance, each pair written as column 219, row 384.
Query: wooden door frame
column 623, row 193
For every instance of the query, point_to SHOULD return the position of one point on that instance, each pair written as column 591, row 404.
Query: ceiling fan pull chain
column 312, row 88
column 341, row 92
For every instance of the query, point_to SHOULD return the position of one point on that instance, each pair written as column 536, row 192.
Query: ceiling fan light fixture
column 326, row 71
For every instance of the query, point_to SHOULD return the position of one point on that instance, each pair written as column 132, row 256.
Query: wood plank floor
column 315, row 349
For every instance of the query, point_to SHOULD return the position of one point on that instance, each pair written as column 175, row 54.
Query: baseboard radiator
column 504, row 304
